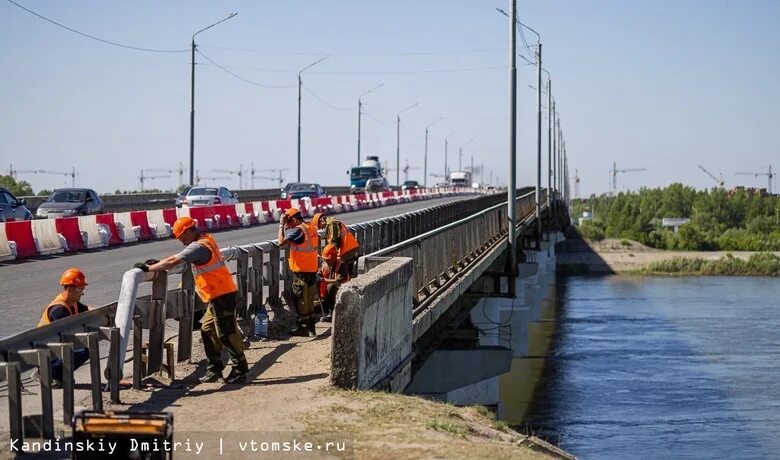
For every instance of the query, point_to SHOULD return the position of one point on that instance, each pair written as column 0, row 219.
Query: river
column 663, row 367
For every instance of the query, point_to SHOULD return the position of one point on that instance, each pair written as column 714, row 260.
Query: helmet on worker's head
column 317, row 218
column 73, row 277
column 181, row 225
column 293, row 213
column 330, row 252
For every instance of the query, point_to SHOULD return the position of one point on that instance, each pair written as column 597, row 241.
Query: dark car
column 298, row 190
column 11, row 208
column 411, row 185
column 67, row 202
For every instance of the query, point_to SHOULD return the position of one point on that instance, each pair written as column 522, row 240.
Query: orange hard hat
column 316, row 219
column 292, row 212
column 181, row 225
column 330, row 251
column 73, row 277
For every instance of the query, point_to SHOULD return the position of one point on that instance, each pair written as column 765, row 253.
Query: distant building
column 674, row 222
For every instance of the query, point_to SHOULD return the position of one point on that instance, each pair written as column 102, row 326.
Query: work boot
column 300, row 330
column 310, row 324
column 211, row 376
column 236, row 376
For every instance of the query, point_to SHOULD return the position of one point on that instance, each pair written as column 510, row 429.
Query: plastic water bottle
column 261, row 324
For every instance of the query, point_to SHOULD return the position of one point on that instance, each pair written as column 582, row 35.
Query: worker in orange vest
column 304, row 243
column 216, row 287
column 333, row 272
column 338, row 234
column 66, row 303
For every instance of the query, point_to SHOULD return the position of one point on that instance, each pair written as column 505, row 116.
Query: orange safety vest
column 58, row 301
column 348, row 240
column 212, row 279
column 325, row 274
column 303, row 257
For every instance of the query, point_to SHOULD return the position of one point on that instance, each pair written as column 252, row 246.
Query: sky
column 662, row 85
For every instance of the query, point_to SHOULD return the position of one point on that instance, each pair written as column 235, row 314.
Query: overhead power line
column 345, row 109
column 102, row 40
column 245, row 80
column 388, row 72
column 411, row 53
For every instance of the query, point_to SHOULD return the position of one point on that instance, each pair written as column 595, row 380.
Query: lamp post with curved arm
column 300, row 82
column 360, row 111
column 446, row 171
column 425, row 160
column 398, row 143
column 192, row 99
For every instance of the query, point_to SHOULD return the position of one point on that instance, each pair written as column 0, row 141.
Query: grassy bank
column 761, row 264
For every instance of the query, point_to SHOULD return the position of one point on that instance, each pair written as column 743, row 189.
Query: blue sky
column 663, row 85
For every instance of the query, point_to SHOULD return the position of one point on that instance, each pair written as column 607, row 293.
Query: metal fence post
column 14, row 379
column 64, row 351
column 138, row 343
column 275, row 269
column 242, row 272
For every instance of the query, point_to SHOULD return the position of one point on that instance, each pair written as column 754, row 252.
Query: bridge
column 408, row 323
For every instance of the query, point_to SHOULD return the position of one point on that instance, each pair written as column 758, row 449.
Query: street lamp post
column 446, row 171
column 398, row 143
column 460, row 153
column 360, row 111
column 300, row 82
column 511, row 193
column 192, row 99
column 425, row 160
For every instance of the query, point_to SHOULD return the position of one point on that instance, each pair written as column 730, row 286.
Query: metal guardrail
column 261, row 273
column 440, row 255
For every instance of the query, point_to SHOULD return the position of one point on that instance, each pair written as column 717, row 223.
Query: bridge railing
column 441, row 254
column 262, row 278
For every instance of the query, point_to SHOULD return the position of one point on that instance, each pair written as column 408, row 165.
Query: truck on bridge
column 460, row 178
column 369, row 169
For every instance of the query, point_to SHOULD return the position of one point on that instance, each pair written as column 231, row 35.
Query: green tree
column 18, row 188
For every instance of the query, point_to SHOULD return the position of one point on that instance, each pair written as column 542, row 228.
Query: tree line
column 734, row 220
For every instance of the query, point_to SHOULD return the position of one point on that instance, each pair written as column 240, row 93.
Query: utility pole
column 460, row 153
column 446, row 170
column 300, row 83
column 511, row 205
column 360, row 111
column 539, row 144
column 398, row 144
column 425, row 161
column 549, row 142
column 192, row 99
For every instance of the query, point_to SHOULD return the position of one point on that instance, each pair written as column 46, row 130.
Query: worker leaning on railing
column 337, row 234
column 333, row 272
column 66, row 303
column 304, row 243
column 215, row 286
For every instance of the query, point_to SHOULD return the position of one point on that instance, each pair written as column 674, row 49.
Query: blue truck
column 369, row 169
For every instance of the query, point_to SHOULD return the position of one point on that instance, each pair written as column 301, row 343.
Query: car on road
column 377, row 184
column 411, row 185
column 181, row 197
column 68, row 202
column 297, row 190
column 12, row 208
column 208, row 196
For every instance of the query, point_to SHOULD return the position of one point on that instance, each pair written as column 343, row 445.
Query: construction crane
column 13, row 172
column 278, row 178
column 769, row 176
column 199, row 178
column 614, row 172
column 720, row 181
column 180, row 171
column 142, row 178
column 239, row 173
column 406, row 170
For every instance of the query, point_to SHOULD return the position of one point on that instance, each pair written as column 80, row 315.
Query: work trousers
column 218, row 330
column 329, row 301
column 303, row 288
column 80, row 356
column 350, row 258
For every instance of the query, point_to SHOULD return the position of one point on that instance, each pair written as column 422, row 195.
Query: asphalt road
column 29, row 285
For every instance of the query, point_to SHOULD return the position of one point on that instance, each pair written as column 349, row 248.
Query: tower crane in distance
column 720, row 181
column 614, row 172
column 769, row 175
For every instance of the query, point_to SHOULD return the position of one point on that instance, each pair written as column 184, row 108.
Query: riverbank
column 579, row 256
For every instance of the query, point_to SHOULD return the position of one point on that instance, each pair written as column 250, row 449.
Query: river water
column 663, row 367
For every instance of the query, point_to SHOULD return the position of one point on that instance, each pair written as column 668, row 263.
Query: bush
column 592, row 230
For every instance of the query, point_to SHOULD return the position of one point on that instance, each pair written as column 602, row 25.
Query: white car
column 208, row 196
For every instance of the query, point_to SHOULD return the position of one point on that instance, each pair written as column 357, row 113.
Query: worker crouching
column 333, row 272
column 337, row 234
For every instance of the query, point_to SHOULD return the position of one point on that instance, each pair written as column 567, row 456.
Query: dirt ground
column 289, row 399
